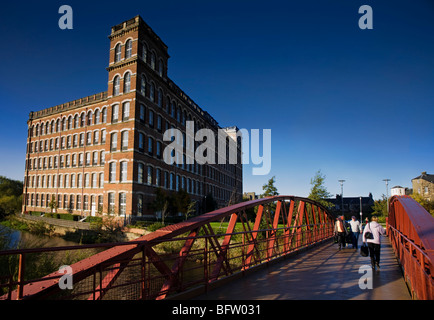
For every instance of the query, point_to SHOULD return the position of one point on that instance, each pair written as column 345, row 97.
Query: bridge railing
column 190, row 254
column 411, row 230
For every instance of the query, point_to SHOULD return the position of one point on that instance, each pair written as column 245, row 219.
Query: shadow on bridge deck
column 321, row 273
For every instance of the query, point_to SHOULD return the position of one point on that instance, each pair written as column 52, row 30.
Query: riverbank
column 73, row 231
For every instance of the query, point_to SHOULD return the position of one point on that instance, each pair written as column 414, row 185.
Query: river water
column 22, row 239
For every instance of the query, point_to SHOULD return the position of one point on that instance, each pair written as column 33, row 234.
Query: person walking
column 355, row 231
column 341, row 231
column 374, row 244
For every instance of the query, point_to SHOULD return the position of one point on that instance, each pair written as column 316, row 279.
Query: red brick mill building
column 106, row 150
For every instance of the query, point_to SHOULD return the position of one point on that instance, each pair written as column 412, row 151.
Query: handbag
column 368, row 234
column 364, row 251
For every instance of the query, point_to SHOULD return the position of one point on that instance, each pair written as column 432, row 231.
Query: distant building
column 424, row 185
column 250, row 196
column 352, row 206
column 398, row 191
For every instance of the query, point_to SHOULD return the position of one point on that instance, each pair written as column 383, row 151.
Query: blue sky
column 355, row 104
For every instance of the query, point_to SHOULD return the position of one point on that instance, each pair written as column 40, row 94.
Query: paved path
column 321, row 273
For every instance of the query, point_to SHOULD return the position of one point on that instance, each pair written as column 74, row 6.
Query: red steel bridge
column 195, row 256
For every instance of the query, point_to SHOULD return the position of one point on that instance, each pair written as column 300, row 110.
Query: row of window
column 95, row 158
column 69, row 123
column 67, row 201
column 71, row 141
column 73, row 180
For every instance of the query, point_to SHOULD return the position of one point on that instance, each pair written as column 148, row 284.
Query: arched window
column 160, row 67
column 116, row 85
column 151, row 91
column 118, row 52
column 153, row 60
column 127, row 82
column 160, row 98
column 104, row 115
column 128, row 49
column 89, row 118
column 97, row 115
column 144, row 52
column 143, row 85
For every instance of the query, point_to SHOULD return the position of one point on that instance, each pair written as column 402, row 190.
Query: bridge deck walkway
column 321, row 273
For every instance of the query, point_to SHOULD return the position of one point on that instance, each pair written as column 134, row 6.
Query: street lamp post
column 342, row 194
column 387, row 194
column 361, row 213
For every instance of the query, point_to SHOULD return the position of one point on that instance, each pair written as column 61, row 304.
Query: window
column 125, row 111
column 78, row 202
column 159, row 120
column 139, row 205
column 152, row 92
column 111, row 203
column 158, row 149
column 118, row 52
column 79, row 181
column 101, row 180
column 122, row 203
column 81, row 139
column 114, row 141
column 89, row 118
column 160, row 98
column 124, row 140
column 160, row 68
column 86, row 180
column 97, row 116
column 112, row 172
column 142, row 114
column 141, row 142
column 87, row 158
column 123, row 175
column 151, row 118
column 89, row 138
column 426, row 190
column 103, row 134
column 150, row 146
column 150, row 175
column 116, row 86
column 72, row 180
column 158, row 177
column 115, row 113
column 140, row 173
column 94, row 180
column 95, row 158
column 96, row 137
column 127, row 82
column 153, row 60
column 102, row 158
column 128, row 49
column 104, row 115
column 143, row 85
column 144, row 52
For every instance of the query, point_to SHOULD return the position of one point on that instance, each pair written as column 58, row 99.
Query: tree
column 160, row 203
column 428, row 205
column 319, row 192
column 53, row 204
column 269, row 188
column 380, row 207
column 10, row 196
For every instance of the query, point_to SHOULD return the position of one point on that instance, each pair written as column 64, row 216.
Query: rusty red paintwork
column 411, row 229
